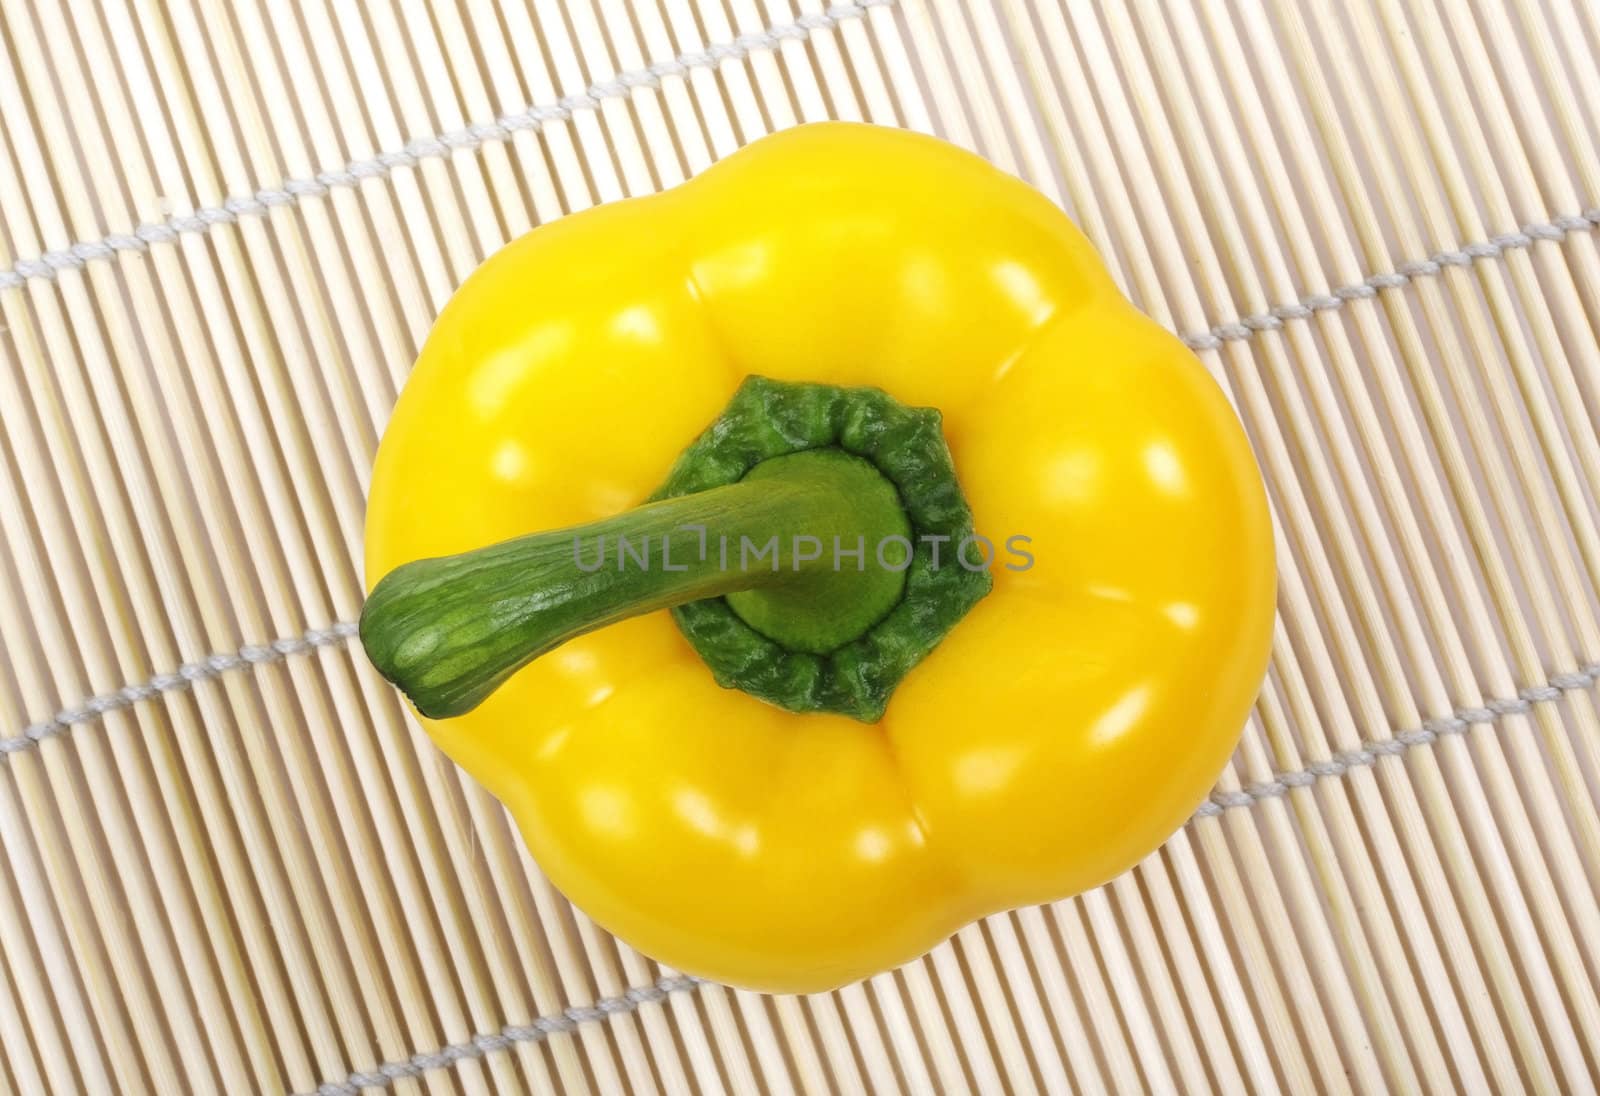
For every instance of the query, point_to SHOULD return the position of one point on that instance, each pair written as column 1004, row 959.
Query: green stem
column 449, row 631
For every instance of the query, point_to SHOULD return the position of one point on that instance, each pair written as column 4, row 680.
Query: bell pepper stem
column 448, row 631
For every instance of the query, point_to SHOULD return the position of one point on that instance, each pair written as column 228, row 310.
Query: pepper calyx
column 768, row 420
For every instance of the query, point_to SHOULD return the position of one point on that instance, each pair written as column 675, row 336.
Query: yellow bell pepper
column 1061, row 724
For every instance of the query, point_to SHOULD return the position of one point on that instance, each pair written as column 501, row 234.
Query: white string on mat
column 184, row 677
column 537, row 1030
column 1370, row 753
column 471, row 137
column 1426, row 780
column 1520, row 903
column 1247, row 327
column 146, row 880
column 1478, row 783
column 264, row 858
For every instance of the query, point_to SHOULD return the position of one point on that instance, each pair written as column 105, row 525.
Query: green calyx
column 764, row 422
column 807, row 542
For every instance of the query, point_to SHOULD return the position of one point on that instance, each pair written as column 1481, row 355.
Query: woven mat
column 231, row 863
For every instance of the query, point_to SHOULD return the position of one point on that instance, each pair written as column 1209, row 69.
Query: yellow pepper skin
column 1058, row 734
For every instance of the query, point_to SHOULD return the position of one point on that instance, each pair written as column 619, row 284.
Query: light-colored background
column 225, row 226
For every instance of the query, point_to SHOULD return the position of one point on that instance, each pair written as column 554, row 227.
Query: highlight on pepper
column 744, row 760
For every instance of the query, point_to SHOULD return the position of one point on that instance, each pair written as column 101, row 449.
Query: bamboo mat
column 231, row 863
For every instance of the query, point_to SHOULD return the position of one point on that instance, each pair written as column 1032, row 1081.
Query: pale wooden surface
column 269, row 881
